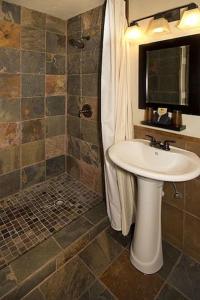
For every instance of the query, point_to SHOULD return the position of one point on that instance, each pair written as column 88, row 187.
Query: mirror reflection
column 167, row 76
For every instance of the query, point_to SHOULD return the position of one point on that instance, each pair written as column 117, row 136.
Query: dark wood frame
column 194, row 73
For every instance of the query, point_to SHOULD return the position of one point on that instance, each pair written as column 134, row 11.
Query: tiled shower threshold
column 33, row 215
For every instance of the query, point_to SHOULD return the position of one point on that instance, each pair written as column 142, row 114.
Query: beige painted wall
column 141, row 8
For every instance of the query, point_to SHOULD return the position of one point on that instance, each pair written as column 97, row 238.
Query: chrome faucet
column 158, row 144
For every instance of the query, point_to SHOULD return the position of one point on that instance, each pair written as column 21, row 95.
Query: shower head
column 79, row 43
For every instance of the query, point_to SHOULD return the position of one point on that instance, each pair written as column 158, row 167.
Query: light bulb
column 190, row 19
column 133, row 32
column 160, row 25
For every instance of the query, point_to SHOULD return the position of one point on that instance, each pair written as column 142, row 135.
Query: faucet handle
column 152, row 138
column 167, row 143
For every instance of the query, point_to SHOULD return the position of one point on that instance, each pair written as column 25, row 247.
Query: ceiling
column 63, row 9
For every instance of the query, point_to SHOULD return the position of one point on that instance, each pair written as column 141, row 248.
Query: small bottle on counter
column 148, row 115
column 177, row 118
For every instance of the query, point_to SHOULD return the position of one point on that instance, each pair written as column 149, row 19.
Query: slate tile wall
column 32, row 97
column 83, row 86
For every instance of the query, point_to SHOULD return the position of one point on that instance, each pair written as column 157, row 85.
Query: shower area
column 51, row 203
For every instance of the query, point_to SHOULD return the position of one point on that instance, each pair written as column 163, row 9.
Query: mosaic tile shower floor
column 29, row 217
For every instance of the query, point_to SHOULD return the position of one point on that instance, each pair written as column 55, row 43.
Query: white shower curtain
column 116, row 115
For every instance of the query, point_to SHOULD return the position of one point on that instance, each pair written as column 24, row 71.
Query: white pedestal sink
column 152, row 167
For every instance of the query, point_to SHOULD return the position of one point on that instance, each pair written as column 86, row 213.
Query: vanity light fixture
column 160, row 25
column 160, row 22
column 133, row 32
column 190, row 19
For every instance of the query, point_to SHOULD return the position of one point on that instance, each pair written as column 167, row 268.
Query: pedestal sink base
column 146, row 247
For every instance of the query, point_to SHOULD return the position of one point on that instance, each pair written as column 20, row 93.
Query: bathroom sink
column 136, row 156
column 152, row 166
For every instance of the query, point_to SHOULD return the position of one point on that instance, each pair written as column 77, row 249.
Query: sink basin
column 136, row 156
column 152, row 167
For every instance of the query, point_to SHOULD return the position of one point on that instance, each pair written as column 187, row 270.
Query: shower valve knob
column 86, row 111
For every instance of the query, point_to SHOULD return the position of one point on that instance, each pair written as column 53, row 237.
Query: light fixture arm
column 166, row 14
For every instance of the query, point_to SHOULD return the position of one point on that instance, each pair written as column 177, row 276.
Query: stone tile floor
column 87, row 260
column 102, row 271
column 30, row 217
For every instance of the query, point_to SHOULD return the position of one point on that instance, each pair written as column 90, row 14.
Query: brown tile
column 193, row 146
column 9, row 109
column 9, row 159
column 32, row 130
column 192, row 236
column 32, row 62
column 73, row 167
column 89, row 153
column 90, row 132
column 172, row 225
column 91, row 61
column 100, row 253
column 9, row 134
column 33, row 85
column 33, row 174
column 55, row 64
column 32, row 18
column 55, row 105
column 73, row 126
column 55, row 24
column 74, row 63
column 7, row 81
column 192, row 203
column 97, row 291
column 97, row 213
column 72, row 245
column 170, row 293
column 72, row 232
column 9, row 183
column 34, row 258
column 128, row 283
column 95, row 41
column 32, row 108
column 55, row 146
column 32, row 39
column 7, row 281
column 73, row 105
column 185, row 278
column 169, row 194
column 9, row 60
column 69, row 282
column 55, row 166
column 33, row 152
column 74, row 24
column 55, row 84
column 74, row 85
column 55, row 43
column 90, row 175
column 55, row 126
column 90, row 85
column 74, row 146
column 92, row 18
column 10, row 35
column 10, row 12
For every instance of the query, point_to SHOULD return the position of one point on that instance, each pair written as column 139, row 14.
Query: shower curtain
column 116, row 115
